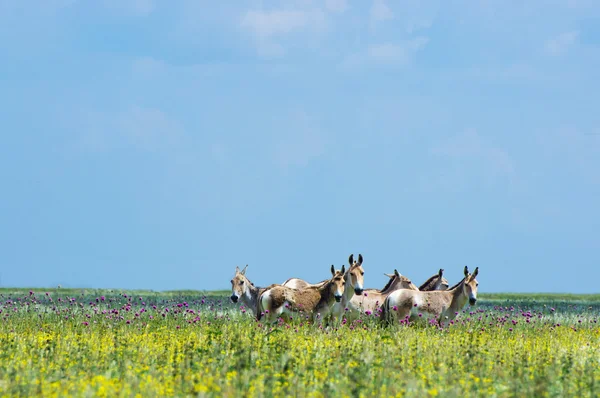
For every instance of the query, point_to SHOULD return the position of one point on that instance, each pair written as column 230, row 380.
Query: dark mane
column 389, row 283
column 455, row 286
column 430, row 283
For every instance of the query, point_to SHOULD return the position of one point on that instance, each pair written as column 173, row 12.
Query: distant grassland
column 226, row 293
column 119, row 343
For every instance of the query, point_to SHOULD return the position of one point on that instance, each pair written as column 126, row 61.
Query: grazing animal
column 372, row 299
column 442, row 305
column 436, row 282
column 313, row 300
column 244, row 290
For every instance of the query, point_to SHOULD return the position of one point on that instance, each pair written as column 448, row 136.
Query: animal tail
column 385, row 312
column 259, row 305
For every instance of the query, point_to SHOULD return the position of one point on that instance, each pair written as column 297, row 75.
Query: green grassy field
column 87, row 342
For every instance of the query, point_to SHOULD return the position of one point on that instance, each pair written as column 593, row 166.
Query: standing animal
column 442, row 305
column 354, row 282
column 436, row 282
column 372, row 299
column 297, row 283
column 244, row 290
column 313, row 300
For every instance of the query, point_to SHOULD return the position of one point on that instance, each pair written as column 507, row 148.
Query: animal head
column 356, row 274
column 398, row 281
column 337, row 283
column 352, row 262
column 393, row 278
column 404, row 282
column 470, row 285
column 239, row 284
column 443, row 283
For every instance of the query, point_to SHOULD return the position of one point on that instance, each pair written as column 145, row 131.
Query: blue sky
column 157, row 145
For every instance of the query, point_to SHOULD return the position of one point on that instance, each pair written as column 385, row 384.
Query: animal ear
column 351, row 259
column 475, row 272
column 388, row 275
column 344, row 269
column 466, row 271
column 360, row 259
column 244, row 270
column 237, row 269
column 396, row 272
column 441, row 272
column 332, row 270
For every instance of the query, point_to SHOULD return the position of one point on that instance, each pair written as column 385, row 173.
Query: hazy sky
column 158, row 144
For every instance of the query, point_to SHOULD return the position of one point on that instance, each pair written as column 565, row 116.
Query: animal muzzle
column 338, row 297
column 472, row 300
column 358, row 291
column 234, row 298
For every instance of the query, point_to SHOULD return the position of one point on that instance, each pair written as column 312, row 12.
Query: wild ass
column 244, row 290
column 442, row 305
column 436, row 282
column 313, row 300
column 354, row 282
column 297, row 283
column 372, row 299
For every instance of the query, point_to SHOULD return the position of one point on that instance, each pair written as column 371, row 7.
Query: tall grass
column 101, row 343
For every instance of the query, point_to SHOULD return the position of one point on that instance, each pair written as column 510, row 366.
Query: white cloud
column 336, row 5
column 562, row 43
column 143, row 7
column 265, row 24
column 380, row 11
column 416, row 14
column 268, row 26
column 401, row 53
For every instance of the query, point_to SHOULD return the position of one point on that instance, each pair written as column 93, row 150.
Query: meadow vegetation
column 116, row 343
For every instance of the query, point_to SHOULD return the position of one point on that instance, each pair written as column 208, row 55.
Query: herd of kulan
column 343, row 296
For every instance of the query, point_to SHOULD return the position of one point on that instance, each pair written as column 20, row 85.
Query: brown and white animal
column 372, row 299
column 244, row 290
column 313, row 300
column 436, row 282
column 442, row 305
column 297, row 283
column 354, row 282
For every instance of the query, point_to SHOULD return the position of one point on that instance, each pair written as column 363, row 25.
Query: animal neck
column 348, row 288
column 250, row 297
column 459, row 298
column 430, row 284
column 325, row 291
column 391, row 284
